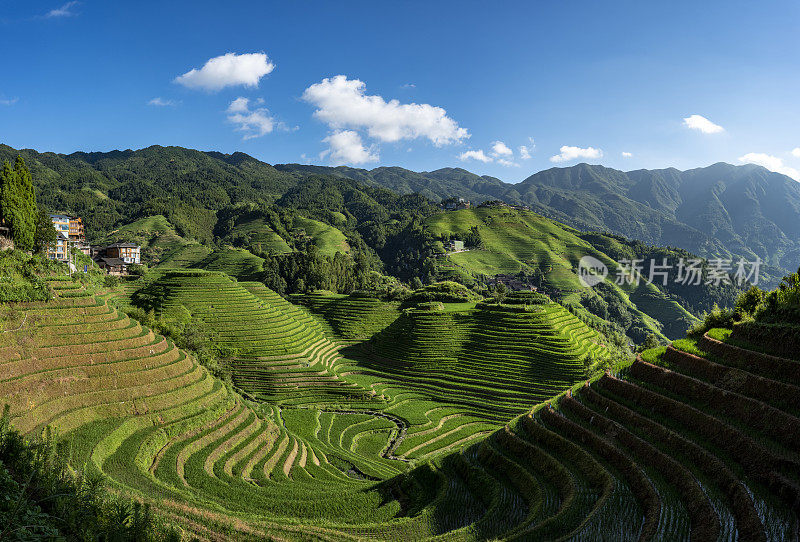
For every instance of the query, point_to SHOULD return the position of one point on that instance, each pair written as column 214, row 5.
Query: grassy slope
column 516, row 241
column 327, row 239
column 236, row 262
column 262, row 236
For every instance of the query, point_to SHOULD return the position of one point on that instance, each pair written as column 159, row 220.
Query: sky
column 499, row 88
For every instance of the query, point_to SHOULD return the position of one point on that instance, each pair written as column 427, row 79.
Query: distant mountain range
column 717, row 211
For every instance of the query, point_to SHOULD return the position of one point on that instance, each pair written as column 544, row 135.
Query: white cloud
column 772, row 163
column 342, row 103
column 161, row 102
column 626, row 154
column 702, row 124
column 526, row 150
column 475, row 155
column 8, row 101
column 409, row 85
column 63, row 11
column 571, row 153
column 507, row 163
column 346, row 147
column 501, row 149
column 228, row 70
column 796, row 152
column 253, row 122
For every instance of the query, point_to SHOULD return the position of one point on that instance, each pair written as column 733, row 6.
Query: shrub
column 40, row 498
column 446, row 292
column 750, row 301
column 716, row 318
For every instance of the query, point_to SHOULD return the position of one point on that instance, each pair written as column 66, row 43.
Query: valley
column 347, row 363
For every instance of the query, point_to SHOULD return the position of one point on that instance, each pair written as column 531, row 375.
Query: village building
column 127, row 252
column 60, row 249
column 69, row 233
column 113, row 266
column 454, row 245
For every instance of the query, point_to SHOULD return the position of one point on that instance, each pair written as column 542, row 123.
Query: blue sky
column 314, row 82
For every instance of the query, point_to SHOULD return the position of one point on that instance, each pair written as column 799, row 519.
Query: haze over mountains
column 716, row 211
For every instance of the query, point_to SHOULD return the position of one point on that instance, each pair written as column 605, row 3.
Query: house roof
column 113, row 262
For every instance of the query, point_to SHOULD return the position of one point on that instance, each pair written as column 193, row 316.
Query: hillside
column 720, row 210
column 494, row 359
column 521, row 242
column 109, row 189
column 695, row 441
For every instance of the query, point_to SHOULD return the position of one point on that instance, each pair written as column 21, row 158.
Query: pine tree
column 8, row 193
column 28, row 207
column 45, row 235
column 18, row 203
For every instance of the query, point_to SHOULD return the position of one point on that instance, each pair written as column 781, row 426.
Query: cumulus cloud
column 228, row 70
column 796, row 152
column 254, row 122
column 702, row 124
column 507, row 163
column 161, row 102
column 346, row 147
column 63, row 11
column 626, row 154
column 526, row 150
column 479, row 155
column 501, row 149
column 342, row 103
column 571, row 153
column 772, row 163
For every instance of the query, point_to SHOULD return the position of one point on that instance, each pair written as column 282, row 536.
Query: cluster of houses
column 498, row 203
column 115, row 258
column 455, row 204
column 512, row 282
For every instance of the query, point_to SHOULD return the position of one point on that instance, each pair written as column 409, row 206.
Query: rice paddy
column 412, row 424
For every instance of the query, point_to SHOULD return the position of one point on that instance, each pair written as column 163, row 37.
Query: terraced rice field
column 260, row 235
column 698, row 441
column 351, row 317
column 155, row 423
column 494, row 360
column 236, row 262
column 278, row 351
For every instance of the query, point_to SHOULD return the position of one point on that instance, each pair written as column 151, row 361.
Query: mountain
column 717, row 211
column 721, row 210
column 436, row 185
column 109, row 189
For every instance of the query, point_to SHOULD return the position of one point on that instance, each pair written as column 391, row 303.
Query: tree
column 649, row 342
column 748, row 302
column 45, row 235
column 18, row 203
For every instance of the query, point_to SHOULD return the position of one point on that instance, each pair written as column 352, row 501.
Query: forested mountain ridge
column 720, row 210
column 717, row 211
